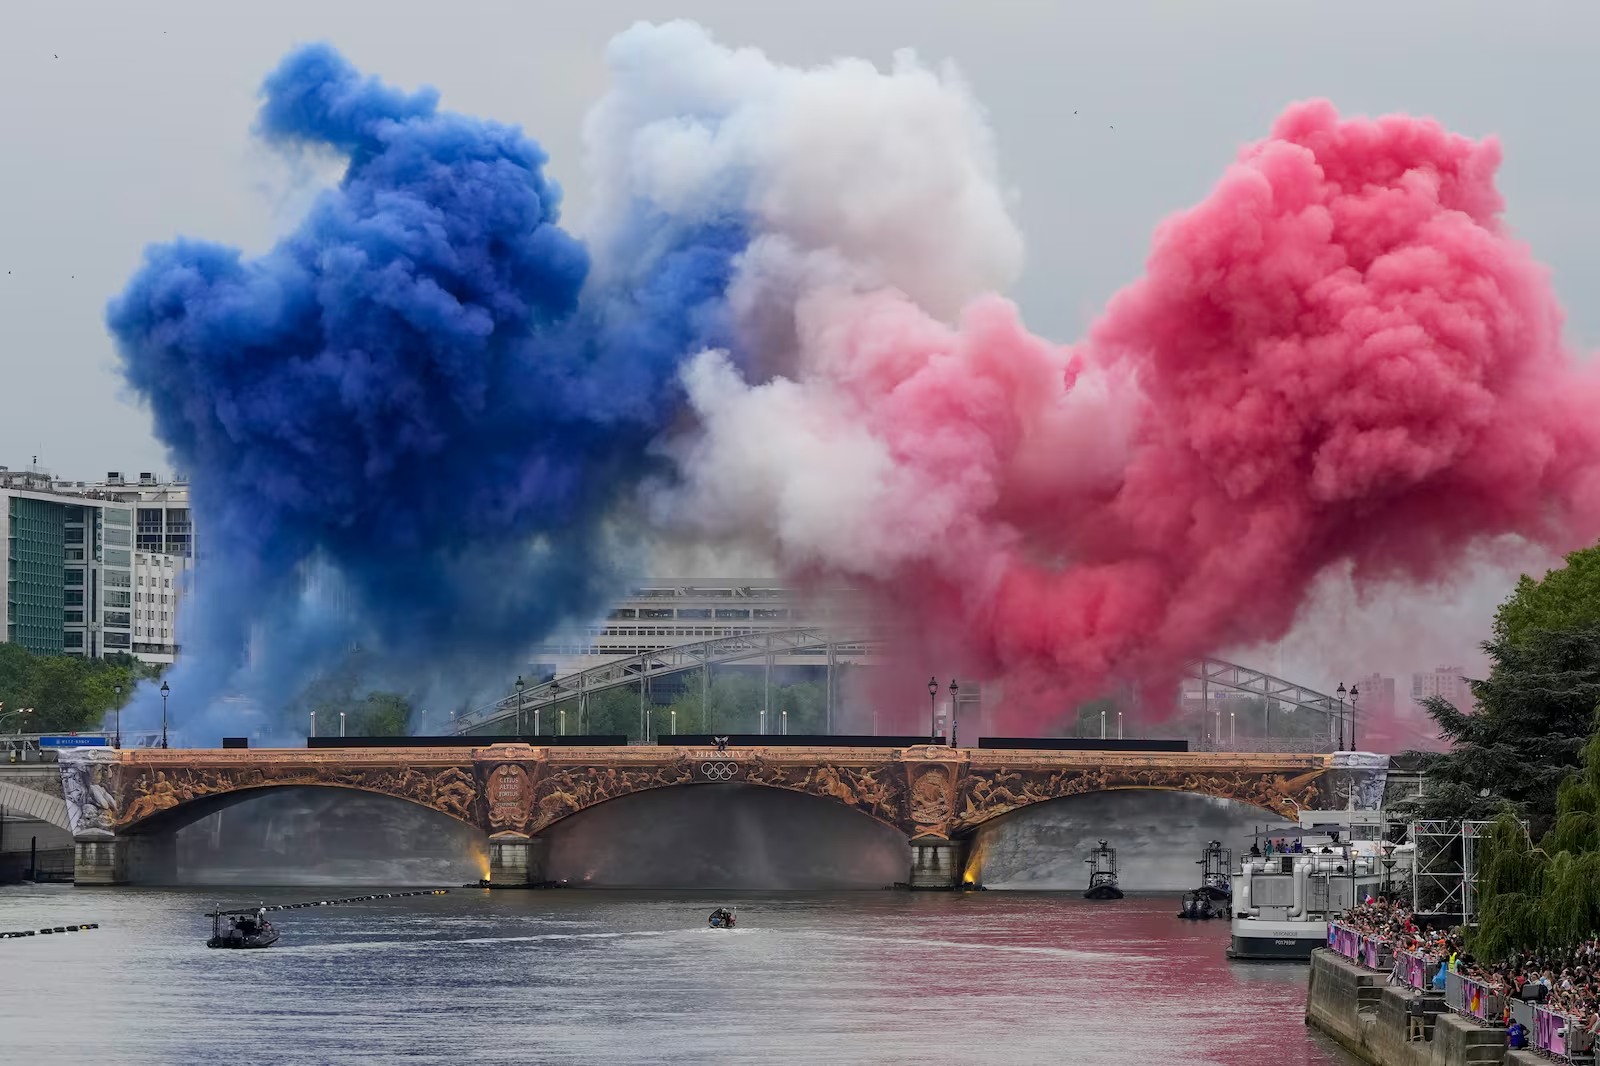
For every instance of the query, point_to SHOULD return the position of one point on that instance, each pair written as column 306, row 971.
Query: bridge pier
column 516, row 861
column 937, row 863
column 142, row 858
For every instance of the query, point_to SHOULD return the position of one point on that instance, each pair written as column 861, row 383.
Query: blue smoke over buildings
column 412, row 424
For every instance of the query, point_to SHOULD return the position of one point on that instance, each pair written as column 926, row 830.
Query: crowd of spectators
column 1566, row 981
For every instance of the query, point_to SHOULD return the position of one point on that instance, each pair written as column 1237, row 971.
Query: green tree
column 1545, row 896
column 68, row 693
column 1511, row 753
column 1565, row 598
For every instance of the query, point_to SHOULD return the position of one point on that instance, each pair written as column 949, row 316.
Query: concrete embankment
column 1372, row 1019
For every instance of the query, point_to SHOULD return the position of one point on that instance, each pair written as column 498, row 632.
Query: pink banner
column 1414, row 970
column 1481, row 1002
column 1344, row 941
column 1549, row 1031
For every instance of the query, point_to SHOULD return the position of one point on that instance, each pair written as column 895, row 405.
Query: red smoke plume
column 1340, row 355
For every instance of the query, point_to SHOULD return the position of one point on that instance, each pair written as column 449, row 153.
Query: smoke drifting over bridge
column 783, row 336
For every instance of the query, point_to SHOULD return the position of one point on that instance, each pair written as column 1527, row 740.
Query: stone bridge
column 125, row 806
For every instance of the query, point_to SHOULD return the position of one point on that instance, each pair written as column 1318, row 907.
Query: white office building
column 660, row 614
column 73, row 574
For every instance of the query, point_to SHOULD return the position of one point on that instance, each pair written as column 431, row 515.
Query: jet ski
column 723, row 918
column 1197, row 907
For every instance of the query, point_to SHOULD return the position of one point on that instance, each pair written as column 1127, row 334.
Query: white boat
column 1282, row 902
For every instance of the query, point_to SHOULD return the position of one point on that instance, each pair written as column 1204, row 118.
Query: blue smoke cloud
column 411, row 425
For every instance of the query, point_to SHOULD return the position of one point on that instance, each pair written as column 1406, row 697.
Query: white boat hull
column 1254, row 938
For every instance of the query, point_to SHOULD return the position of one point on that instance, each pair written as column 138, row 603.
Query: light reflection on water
column 625, row 977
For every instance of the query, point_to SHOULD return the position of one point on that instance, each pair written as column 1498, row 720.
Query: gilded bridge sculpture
column 517, row 792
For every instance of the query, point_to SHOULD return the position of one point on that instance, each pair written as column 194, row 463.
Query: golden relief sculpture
column 143, row 790
column 522, row 791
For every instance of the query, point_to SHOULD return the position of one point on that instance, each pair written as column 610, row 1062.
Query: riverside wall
column 1368, row 1016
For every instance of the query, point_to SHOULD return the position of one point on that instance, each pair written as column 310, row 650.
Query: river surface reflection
column 632, row 977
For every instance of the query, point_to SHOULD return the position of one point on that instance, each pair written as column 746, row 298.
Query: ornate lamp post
column 341, row 723
column 1355, row 695
column 1340, row 693
column 165, row 690
column 555, row 689
column 313, row 723
column 519, row 705
column 117, row 691
column 955, row 691
column 933, row 694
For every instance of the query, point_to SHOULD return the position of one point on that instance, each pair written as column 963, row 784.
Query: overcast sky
column 123, row 124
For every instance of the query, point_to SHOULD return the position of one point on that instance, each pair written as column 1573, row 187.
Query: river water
column 633, row 977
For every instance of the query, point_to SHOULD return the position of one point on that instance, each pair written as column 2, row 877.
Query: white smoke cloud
column 881, row 178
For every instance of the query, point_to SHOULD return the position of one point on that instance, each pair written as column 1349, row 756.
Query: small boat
column 1102, row 873
column 1216, row 873
column 723, row 918
column 247, row 928
column 1197, row 907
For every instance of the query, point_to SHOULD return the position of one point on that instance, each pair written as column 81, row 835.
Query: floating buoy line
column 81, row 928
column 336, row 902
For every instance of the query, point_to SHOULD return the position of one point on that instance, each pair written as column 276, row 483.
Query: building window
column 74, row 535
column 72, row 597
column 118, row 598
column 74, row 576
column 74, row 555
column 117, row 537
column 118, row 579
column 117, row 640
column 72, row 640
column 72, row 618
column 117, row 618
column 117, row 557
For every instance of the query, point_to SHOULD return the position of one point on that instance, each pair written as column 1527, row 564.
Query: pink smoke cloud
column 1340, row 356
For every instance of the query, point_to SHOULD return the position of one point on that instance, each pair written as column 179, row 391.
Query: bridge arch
column 734, row 834
column 181, row 815
column 563, row 791
column 35, row 803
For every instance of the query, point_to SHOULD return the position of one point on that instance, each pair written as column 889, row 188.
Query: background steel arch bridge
column 821, row 647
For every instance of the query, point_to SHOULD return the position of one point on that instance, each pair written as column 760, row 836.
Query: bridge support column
column 937, row 863
column 516, row 861
column 150, row 859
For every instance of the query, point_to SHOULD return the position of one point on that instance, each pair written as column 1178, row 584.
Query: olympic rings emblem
column 719, row 771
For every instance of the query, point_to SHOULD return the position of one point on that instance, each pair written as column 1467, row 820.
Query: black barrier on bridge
column 1081, row 744
column 457, row 740
column 791, row 740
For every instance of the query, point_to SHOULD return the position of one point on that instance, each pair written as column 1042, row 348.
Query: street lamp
column 117, row 689
column 955, row 691
column 313, row 723
column 555, row 689
column 341, row 723
column 1355, row 695
column 933, row 694
column 1340, row 693
column 164, row 692
column 519, row 705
